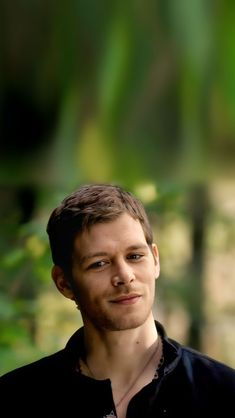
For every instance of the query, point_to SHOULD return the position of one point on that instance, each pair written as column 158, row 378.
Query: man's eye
column 97, row 264
column 135, row 256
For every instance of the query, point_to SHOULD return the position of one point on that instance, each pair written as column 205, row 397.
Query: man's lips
column 126, row 299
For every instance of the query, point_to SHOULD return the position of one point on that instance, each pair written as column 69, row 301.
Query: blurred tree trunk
column 198, row 205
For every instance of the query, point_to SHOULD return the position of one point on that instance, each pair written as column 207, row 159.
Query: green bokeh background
column 139, row 93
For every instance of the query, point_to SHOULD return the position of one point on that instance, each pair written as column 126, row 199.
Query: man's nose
column 123, row 274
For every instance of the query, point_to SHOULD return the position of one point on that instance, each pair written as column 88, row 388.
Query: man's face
column 114, row 273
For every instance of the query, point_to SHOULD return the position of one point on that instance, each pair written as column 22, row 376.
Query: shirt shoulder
column 35, row 368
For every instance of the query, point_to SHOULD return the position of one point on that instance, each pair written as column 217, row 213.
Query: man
column 120, row 363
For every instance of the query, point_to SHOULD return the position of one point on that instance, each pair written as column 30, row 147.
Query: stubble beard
column 119, row 321
column 119, row 318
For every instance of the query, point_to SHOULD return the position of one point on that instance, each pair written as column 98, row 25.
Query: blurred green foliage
column 136, row 93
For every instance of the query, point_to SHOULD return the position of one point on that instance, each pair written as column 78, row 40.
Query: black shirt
column 190, row 384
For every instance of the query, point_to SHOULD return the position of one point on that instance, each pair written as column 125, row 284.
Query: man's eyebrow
column 140, row 246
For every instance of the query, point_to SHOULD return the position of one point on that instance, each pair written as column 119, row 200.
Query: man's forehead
column 124, row 230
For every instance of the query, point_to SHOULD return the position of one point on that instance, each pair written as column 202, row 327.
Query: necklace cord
column 160, row 362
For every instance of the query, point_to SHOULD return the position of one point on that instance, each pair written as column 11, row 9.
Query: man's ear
column 156, row 259
column 62, row 282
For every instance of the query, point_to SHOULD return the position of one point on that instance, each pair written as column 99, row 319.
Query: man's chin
column 124, row 324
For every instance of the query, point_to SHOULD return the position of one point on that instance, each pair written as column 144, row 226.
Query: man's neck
column 118, row 353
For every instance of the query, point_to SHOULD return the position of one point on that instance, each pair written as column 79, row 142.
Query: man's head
column 87, row 206
column 104, row 257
